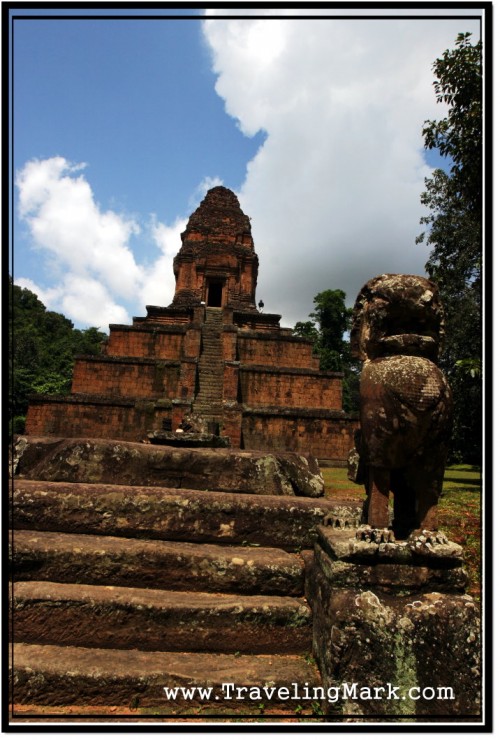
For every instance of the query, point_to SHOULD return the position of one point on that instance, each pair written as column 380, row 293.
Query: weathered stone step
column 175, row 514
column 149, row 619
column 59, row 676
column 210, row 372
column 210, row 412
column 177, row 566
column 131, row 463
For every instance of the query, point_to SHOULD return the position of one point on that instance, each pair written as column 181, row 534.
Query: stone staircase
column 208, row 401
column 112, row 610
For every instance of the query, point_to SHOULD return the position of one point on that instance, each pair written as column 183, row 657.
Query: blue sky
column 135, row 101
column 120, row 126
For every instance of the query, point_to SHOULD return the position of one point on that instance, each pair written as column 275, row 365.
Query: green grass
column 460, row 517
column 459, row 510
column 337, row 484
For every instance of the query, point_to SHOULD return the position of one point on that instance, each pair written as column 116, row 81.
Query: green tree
column 454, row 200
column 328, row 330
column 43, row 346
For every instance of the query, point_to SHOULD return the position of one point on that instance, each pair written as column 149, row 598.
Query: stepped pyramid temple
column 212, row 354
column 145, row 574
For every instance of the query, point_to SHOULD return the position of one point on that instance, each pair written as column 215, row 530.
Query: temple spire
column 217, row 263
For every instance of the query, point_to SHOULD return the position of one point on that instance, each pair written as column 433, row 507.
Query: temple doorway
column 214, row 293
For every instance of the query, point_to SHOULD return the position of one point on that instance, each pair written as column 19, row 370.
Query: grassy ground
column 459, row 510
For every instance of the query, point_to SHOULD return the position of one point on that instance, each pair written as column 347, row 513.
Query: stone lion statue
column 405, row 407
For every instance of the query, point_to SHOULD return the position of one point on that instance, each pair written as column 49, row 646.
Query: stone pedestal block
column 395, row 636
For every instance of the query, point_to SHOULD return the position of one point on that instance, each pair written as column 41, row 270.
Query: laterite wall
column 133, row 378
column 278, row 352
column 324, row 438
column 261, row 387
column 93, row 417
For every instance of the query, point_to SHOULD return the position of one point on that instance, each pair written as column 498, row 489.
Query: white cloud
column 334, row 191
column 84, row 300
column 87, row 301
column 64, row 219
column 94, row 269
column 95, row 279
column 159, row 283
column 48, row 296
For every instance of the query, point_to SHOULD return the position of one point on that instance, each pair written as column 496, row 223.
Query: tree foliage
column 43, row 346
column 330, row 324
column 453, row 224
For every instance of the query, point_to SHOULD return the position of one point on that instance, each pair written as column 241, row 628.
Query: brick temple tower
column 211, row 352
column 217, row 263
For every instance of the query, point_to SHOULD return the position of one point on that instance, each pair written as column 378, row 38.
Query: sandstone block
column 170, row 514
column 177, row 566
column 149, row 619
column 58, row 676
column 393, row 632
column 399, row 656
column 131, row 463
